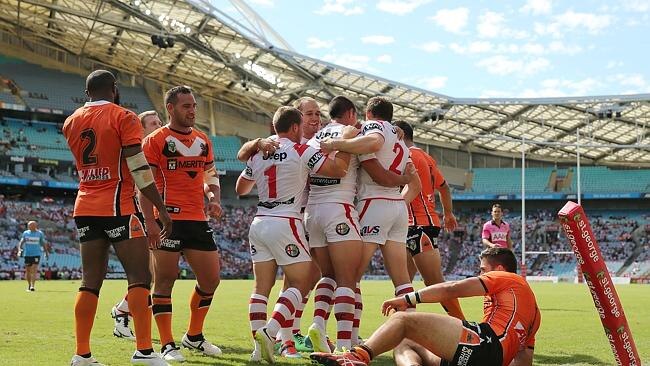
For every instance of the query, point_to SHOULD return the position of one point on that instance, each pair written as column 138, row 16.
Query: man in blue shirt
column 29, row 246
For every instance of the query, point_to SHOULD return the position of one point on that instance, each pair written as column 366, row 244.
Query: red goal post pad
column 583, row 242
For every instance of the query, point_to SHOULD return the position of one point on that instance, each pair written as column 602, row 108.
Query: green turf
column 37, row 328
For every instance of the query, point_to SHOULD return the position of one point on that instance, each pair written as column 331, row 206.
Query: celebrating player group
column 329, row 197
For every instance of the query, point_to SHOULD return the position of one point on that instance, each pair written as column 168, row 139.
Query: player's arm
column 509, row 240
column 487, row 243
column 385, row 177
column 21, row 242
column 367, row 144
column 211, row 179
column 523, row 358
column 245, row 182
column 436, row 293
column 336, row 167
column 250, row 148
column 143, row 177
column 449, row 220
column 412, row 189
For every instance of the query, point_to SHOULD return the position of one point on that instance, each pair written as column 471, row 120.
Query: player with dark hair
column 505, row 336
column 496, row 232
column 32, row 241
column 120, row 312
column 105, row 140
column 182, row 160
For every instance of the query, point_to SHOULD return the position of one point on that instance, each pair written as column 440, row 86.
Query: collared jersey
column 180, row 160
column 393, row 156
column 511, row 310
column 282, row 176
column 96, row 134
column 496, row 234
column 422, row 210
column 33, row 240
column 324, row 189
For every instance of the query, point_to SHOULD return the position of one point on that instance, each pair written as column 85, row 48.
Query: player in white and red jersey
column 333, row 225
column 379, row 140
column 276, row 234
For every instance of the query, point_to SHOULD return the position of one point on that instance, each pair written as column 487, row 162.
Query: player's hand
column 153, row 234
column 327, row 145
column 166, row 221
column 20, row 252
column 394, row 304
column 449, row 222
column 267, row 146
column 214, row 208
column 410, row 172
column 350, row 132
column 399, row 132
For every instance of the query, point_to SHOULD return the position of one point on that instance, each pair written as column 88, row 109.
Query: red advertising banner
column 577, row 229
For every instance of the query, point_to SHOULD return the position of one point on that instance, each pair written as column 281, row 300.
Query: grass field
column 37, row 328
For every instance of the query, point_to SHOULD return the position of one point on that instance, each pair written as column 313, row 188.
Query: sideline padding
column 583, row 242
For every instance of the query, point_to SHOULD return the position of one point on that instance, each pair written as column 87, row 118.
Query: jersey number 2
column 397, row 148
column 271, row 178
column 88, row 158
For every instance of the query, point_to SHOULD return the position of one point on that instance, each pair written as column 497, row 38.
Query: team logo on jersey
column 369, row 230
column 171, row 146
column 314, row 159
column 171, row 163
column 249, row 171
column 342, row 228
column 372, row 126
column 292, row 250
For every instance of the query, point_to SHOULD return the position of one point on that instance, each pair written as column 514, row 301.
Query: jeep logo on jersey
column 314, row 160
column 369, row 230
column 372, row 126
column 276, row 156
column 171, row 164
column 171, row 146
column 323, row 134
column 292, row 250
column 342, row 228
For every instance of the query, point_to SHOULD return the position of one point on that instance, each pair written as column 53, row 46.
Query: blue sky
column 533, row 48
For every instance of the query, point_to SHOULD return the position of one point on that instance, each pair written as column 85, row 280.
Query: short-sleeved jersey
column 180, row 159
column 496, row 234
column 422, row 210
column 333, row 190
column 511, row 310
column 281, row 177
column 96, row 134
column 33, row 240
column 393, row 156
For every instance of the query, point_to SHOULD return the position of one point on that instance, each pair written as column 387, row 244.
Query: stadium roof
column 243, row 62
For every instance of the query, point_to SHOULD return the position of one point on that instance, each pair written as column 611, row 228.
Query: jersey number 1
column 271, row 178
column 397, row 148
column 88, row 158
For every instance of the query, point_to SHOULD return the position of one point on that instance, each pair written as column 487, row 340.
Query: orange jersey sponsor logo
column 180, row 159
column 422, row 210
column 96, row 134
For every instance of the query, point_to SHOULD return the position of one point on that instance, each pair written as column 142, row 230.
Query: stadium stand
column 508, row 180
column 225, row 152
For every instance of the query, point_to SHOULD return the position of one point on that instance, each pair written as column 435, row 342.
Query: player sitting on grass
column 505, row 335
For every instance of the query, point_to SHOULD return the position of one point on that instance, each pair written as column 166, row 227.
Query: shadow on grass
column 541, row 359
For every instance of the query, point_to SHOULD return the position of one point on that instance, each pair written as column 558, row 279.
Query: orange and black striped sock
column 85, row 308
column 199, row 305
column 140, row 306
column 162, row 312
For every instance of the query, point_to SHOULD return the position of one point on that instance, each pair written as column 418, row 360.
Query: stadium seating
column 605, row 180
column 508, row 180
column 225, row 152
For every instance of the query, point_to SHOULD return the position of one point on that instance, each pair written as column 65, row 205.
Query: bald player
column 30, row 244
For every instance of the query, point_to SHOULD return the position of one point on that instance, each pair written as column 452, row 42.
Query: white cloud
column 529, row 48
column 345, row 7
column 400, row 7
column 316, row 43
column 614, row 64
column 433, row 83
column 636, row 81
column 430, row 47
column 550, row 88
column 562, row 48
column 572, row 21
column 356, row 62
column 493, row 25
column 385, row 59
column 267, row 3
column 378, row 39
column 472, row 47
column 637, row 6
column 503, row 65
column 537, row 7
column 451, row 20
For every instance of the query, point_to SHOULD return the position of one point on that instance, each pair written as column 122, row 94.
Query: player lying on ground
column 505, row 336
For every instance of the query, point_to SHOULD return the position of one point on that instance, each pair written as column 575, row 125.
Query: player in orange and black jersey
column 105, row 141
column 424, row 225
column 182, row 160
